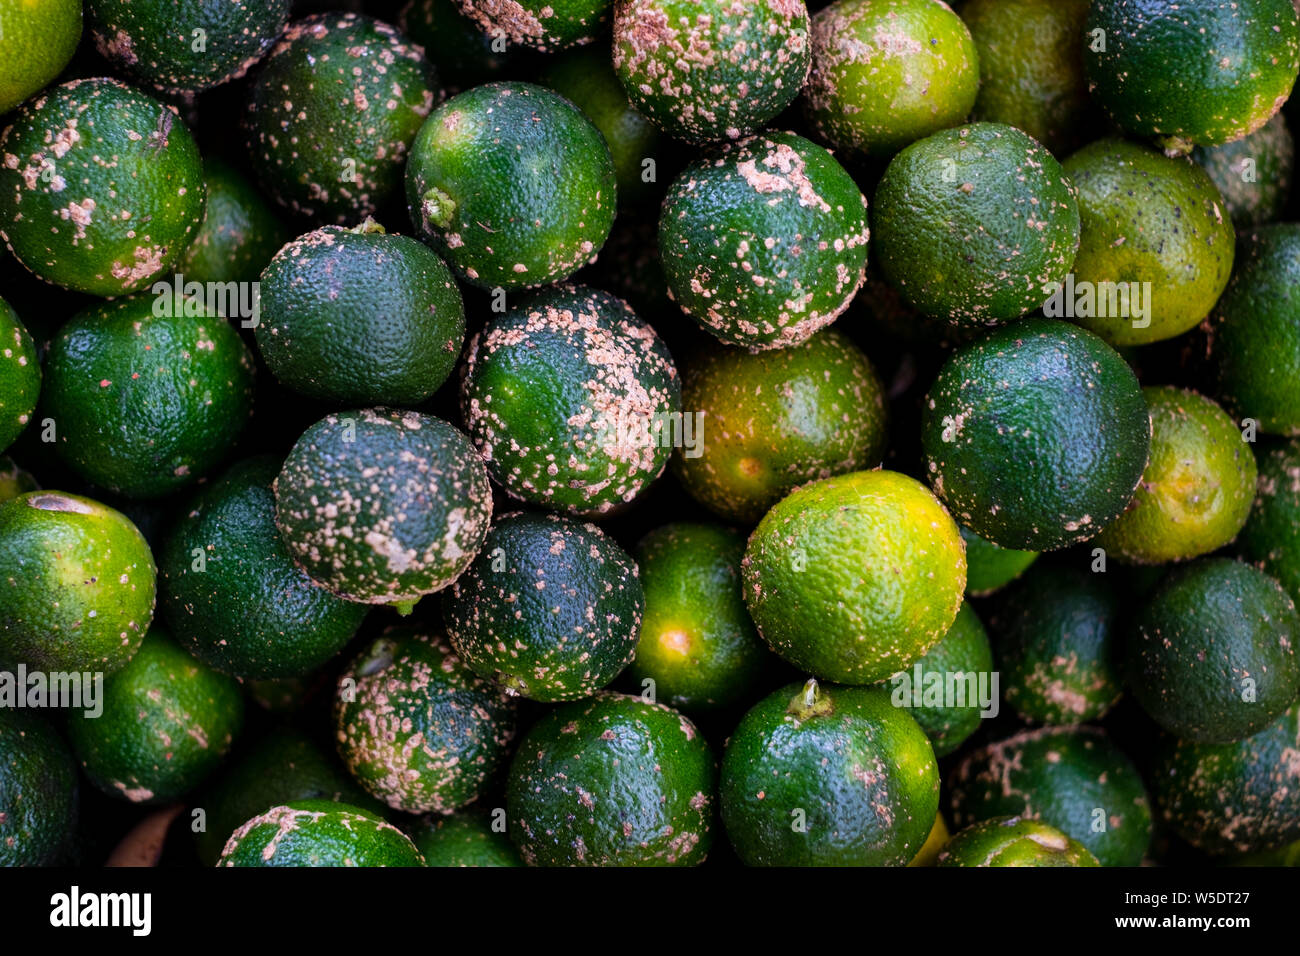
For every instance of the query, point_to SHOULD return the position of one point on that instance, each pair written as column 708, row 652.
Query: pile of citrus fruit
column 649, row 432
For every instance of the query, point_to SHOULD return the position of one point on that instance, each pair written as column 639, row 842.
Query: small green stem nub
column 438, row 208
column 404, row 608
column 809, row 702
column 367, row 227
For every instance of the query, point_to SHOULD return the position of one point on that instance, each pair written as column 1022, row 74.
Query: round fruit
column 1031, row 67
column 1062, row 417
column 166, row 725
column 38, row 791
column 383, row 506
column 1072, row 778
column 587, row 79
column 101, row 187
column 356, row 316
column 1156, row 248
column 828, row 776
column 1211, row 655
column 975, row 225
column 1271, row 537
column 464, row 839
column 886, row 73
column 1253, row 173
column 185, row 45
column 284, row 765
column 20, row 375
column 1056, row 639
column 319, row 833
column 962, row 660
column 764, row 241
column 239, row 234
column 989, row 567
column 1198, row 485
column 542, row 25
column 1234, row 797
column 39, row 40
column 512, row 184
column 698, row 648
column 550, row 609
column 1200, row 73
column 573, row 401
column 78, row 584
column 1254, row 333
column 612, row 781
column 332, row 112
column 230, row 590
column 777, row 419
column 147, row 393
column 855, row 577
column 1013, row 841
column 416, row 727
column 929, row 852
column 711, row 69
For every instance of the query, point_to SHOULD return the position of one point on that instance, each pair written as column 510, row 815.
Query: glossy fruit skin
column 1057, row 629
column 1031, row 67
column 705, row 70
column 39, row 42
column 776, row 419
column 148, row 393
column 1235, row 797
column 1166, row 69
column 542, row 25
column 551, row 608
column 1211, row 655
column 154, row 41
column 332, row 113
column 383, row 506
column 20, row 375
column 1253, row 335
column 79, row 584
column 965, row 649
column 860, row 770
column 587, row 79
column 1147, row 218
column 360, row 317
column 929, row 852
column 167, row 724
column 612, row 781
column 283, row 766
column 407, row 686
column 988, row 567
column 1013, row 841
column 1271, row 538
column 571, row 368
column 1061, row 776
column 736, row 237
column 698, row 648
column 1061, row 412
column 461, row 839
column 1254, row 173
column 975, row 224
column 249, row 611
column 38, row 791
column 1197, row 488
column 886, row 73
column 855, row 577
column 512, row 184
column 319, row 833
column 239, row 234
column 104, row 206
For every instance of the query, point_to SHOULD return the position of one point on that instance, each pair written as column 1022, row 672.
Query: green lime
column 467, row 838
column 38, row 792
column 319, row 833
column 38, row 40
column 1271, row 537
column 239, row 235
column 1253, row 173
column 989, row 567
column 20, row 375
column 1014, row 841
column 542, row 25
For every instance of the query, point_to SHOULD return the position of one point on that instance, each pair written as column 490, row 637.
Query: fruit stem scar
column 368, row 227
column 809, row 702
column 404, row 608
column 438, row 208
